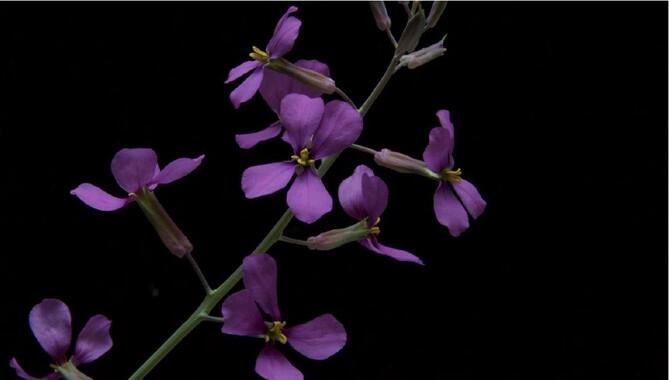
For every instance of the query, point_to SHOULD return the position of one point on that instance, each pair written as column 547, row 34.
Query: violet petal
column 285, row 34
column 249, row 140
column 340, row 127
column 319, row 338
column 449, row 211
column 241, row 315
column 300, row 116
column 247, row 88
column 272, row 365
column 470, row 197
column 266, row 179
column 308, row 198
column 350, row 193
column 439, row 150
column 275, row 86
column 177, row 169
column 24, row 375
column 375, row 197
column 373, row 245
column 134, row 168
column 93, row 341
column 260, row 280
column 242, row 69
column 51, row 324
column 97, row 198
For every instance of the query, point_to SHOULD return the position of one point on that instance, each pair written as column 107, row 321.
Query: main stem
column 213, row 297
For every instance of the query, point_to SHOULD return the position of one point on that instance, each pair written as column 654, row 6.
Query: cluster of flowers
column 315, row 130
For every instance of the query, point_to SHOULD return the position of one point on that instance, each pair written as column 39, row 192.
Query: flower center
column 452, row 176
column 303, row 159
column 375, row 229
column 259, row 55
column 275, row 333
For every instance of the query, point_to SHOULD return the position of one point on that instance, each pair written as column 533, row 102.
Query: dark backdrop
column 560, row 113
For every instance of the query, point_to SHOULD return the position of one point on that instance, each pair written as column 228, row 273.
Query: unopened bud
column 435, row 13
column 402, row 163
column 175, row 241
column 424, row 55
column 336, row 238
column 312, row 78
column 380, row 15
column 412, row 33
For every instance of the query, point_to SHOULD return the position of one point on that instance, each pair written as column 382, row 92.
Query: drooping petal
column 247, row 88
column 266, row 179
column 275, row 86
column 351, row 195
column 260, row 280
column 449, row 211
column 340, row 127
column 249, row 140
column 285, row 34
column 97, row 198
column 272, row 365
column 93, row 341
column 134, row 168
column 375, row 193
column 373, row 245
column 470, row 197
column 319, row 338
column 51, row 324
column 300, row 116
column 308, row 198
column 242, row 69
column 177, row 169
column 241, row 315
column 439, row 150
column 24, row 375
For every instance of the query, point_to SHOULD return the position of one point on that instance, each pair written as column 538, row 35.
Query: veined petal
column 319, row 338
column 249, row 140
column 97, row 198
column 449, row 211
column 300, row 116
column 438, row 154
column 266, row 179
column 285, row 34
column 351, row 195
column 340, row 127
column 134, row 168
column 24, row 375
column 375, row 197
column 470, row 197
column 241, row 315
column 272, row 365
column 276, row 86
column 247, row 88
column 308, row 198
column 260, row 280
column 373, row 245
column 242, row 69
column 51, row 324
column 177, row 169
column 93, row 341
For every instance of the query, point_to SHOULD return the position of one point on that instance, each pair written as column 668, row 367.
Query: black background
column 560, row 113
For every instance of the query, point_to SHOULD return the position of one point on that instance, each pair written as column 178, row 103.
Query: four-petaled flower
column 448, row 207
column 51, row 324
column 317, row 339
column 314, row 130
column 364, row 196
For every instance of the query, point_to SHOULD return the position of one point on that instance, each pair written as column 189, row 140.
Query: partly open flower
column 243, row 312
column 51, row 324
column 314, row 130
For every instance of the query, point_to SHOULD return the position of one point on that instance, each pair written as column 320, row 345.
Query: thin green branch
column 198, row 272
column 290, row 240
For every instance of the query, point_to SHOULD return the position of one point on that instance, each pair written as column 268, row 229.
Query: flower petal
column 438, row 154
column 51, row 324
column 350, row 193
column 285, row 34
column 308, row 198
column 241, row 315
column 340, row 127
column 373, row 245
column 276, row 86
column 134, row 168
column 22, row 374
column 242, row 69
column 247, row 88
column 375, row 197
column 177, row 169
column 272, row 365
column 266, row 179
column 470, row 198
column 93, row 341
column 249, row 140
column 97, row 198
column 260, row 280
column 319, row 338
column 449, row 211
column 300, row 116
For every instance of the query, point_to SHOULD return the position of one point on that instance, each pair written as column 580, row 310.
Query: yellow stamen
column 375, row 230
column 274, row 333
column 259, row 55
column 452, row 176
column 303, row 159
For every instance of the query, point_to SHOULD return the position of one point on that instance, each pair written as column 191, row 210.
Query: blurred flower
column 380, row 14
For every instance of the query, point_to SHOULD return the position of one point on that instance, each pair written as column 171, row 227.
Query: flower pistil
column 275, row 332
column 259, row 55
column 303, row 159
column 451, row 176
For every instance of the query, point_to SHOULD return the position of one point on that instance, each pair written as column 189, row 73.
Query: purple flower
column 451, row 210
column 274, row 87
column 51, row 324
column 285, row 34
column 314, row 130
column 364, row 196
column 317, row 339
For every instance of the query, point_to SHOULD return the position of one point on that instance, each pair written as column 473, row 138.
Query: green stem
column 198, row 272
column 363, row 149
column 290, row 240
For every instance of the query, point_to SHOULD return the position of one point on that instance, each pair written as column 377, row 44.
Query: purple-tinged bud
column 336, row 238
column 402, row 163
column 311, row 78
column 175, row 241
column 412, row 33
column 380, row 15
column 424, row 55
column 435, row 13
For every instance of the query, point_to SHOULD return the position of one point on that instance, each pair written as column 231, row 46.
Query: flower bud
column 403, row 164
column 412, row 33
column 336, row 238
column 175, row 241
column 380, row 15
column 309, row 77
column 435, row 13
column 424, row 55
